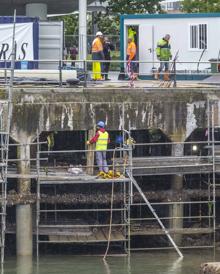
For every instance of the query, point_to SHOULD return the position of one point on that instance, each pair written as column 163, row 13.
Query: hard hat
column 101, row 124
column 99, row 33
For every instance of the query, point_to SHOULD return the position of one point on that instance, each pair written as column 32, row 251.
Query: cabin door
column 132, row 31
column 146, row 49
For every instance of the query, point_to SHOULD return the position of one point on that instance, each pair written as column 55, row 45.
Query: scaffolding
column 5, row 109
column 5, row 122
column 139, row 214
column 51, row 226
column 75, row 224
column 179, row 224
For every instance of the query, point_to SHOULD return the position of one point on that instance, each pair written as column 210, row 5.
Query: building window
column 171, row 5
column 198, row 36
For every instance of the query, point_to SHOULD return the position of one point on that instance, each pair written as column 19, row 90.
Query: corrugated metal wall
column 50, row 44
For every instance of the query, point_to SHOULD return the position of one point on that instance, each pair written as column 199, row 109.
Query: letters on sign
column 24, row 46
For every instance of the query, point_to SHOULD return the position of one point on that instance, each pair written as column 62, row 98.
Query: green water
column 141, row 263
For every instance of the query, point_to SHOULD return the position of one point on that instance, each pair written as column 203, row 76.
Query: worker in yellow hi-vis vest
column 101, row 139
column 131, row 33
column 97, row 55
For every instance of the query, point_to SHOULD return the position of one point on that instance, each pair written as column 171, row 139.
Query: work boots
column 156, row 75
column 166, row 76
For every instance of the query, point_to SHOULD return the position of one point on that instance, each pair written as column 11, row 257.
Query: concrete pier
column 37, row 10
column 176, row 210
column 24, row 212
column 24, row 265
column 23, row 230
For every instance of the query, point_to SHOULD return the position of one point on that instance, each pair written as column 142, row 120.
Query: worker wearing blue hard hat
column 101, row 139
column 101, row 124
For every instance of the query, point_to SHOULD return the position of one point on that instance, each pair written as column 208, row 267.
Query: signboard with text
column 24, row 44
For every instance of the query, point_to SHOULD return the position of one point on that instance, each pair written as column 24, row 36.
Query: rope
column 111, row 211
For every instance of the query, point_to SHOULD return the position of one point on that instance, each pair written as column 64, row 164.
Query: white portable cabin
column 194, row 36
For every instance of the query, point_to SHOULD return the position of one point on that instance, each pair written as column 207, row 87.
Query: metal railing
column 57, row 72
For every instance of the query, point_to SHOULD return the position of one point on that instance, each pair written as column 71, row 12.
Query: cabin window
column 198, row 36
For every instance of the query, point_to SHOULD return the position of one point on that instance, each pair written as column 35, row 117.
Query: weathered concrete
column 210, row 268
column 24, row 212
column 23, row 152
column 54, row 6
column 177, row 112
column 90, row 154
column 176, row 210
column 24, row 230
column 24, row 265
column 37, row 10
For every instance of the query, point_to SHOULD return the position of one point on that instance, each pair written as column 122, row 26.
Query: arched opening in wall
column 160, row 141
column 197, row 186
column 197, row 143
column 149, row 148
column 150, row 142
column 74, row 140
column 63, row 141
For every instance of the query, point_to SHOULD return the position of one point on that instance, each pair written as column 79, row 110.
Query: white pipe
column 82, row 29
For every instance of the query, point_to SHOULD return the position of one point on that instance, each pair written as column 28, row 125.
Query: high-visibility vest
column 163, row 50
column 131, row 50
column 131, row 34
column 102, row 141
column 97, row 45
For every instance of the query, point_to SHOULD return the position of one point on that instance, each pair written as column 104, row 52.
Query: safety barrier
column 79, row 72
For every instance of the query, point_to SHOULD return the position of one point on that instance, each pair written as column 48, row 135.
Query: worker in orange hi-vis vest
column 131, row 56
column 97, row 55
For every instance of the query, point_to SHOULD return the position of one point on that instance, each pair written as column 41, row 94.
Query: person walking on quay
column 107, row 48
column 97, row 55
column 164, row 55
column 73, row 54
column 131, row 57
column 101, row 139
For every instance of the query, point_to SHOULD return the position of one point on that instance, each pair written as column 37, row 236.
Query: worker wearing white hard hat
column 99, row 33
column 97, row 56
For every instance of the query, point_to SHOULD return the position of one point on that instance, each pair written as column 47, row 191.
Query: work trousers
column 164, row 64
column 101, row 161
column 96, row 69
column 106, row 67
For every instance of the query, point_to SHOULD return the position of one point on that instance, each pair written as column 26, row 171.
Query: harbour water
column 146, row 263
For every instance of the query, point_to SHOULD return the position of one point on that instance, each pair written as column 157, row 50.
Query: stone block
column 210, row 268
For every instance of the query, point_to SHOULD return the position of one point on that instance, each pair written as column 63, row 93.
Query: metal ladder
column 134, row 182
column 5, row 125
column 212, row 143
column 5, row 117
